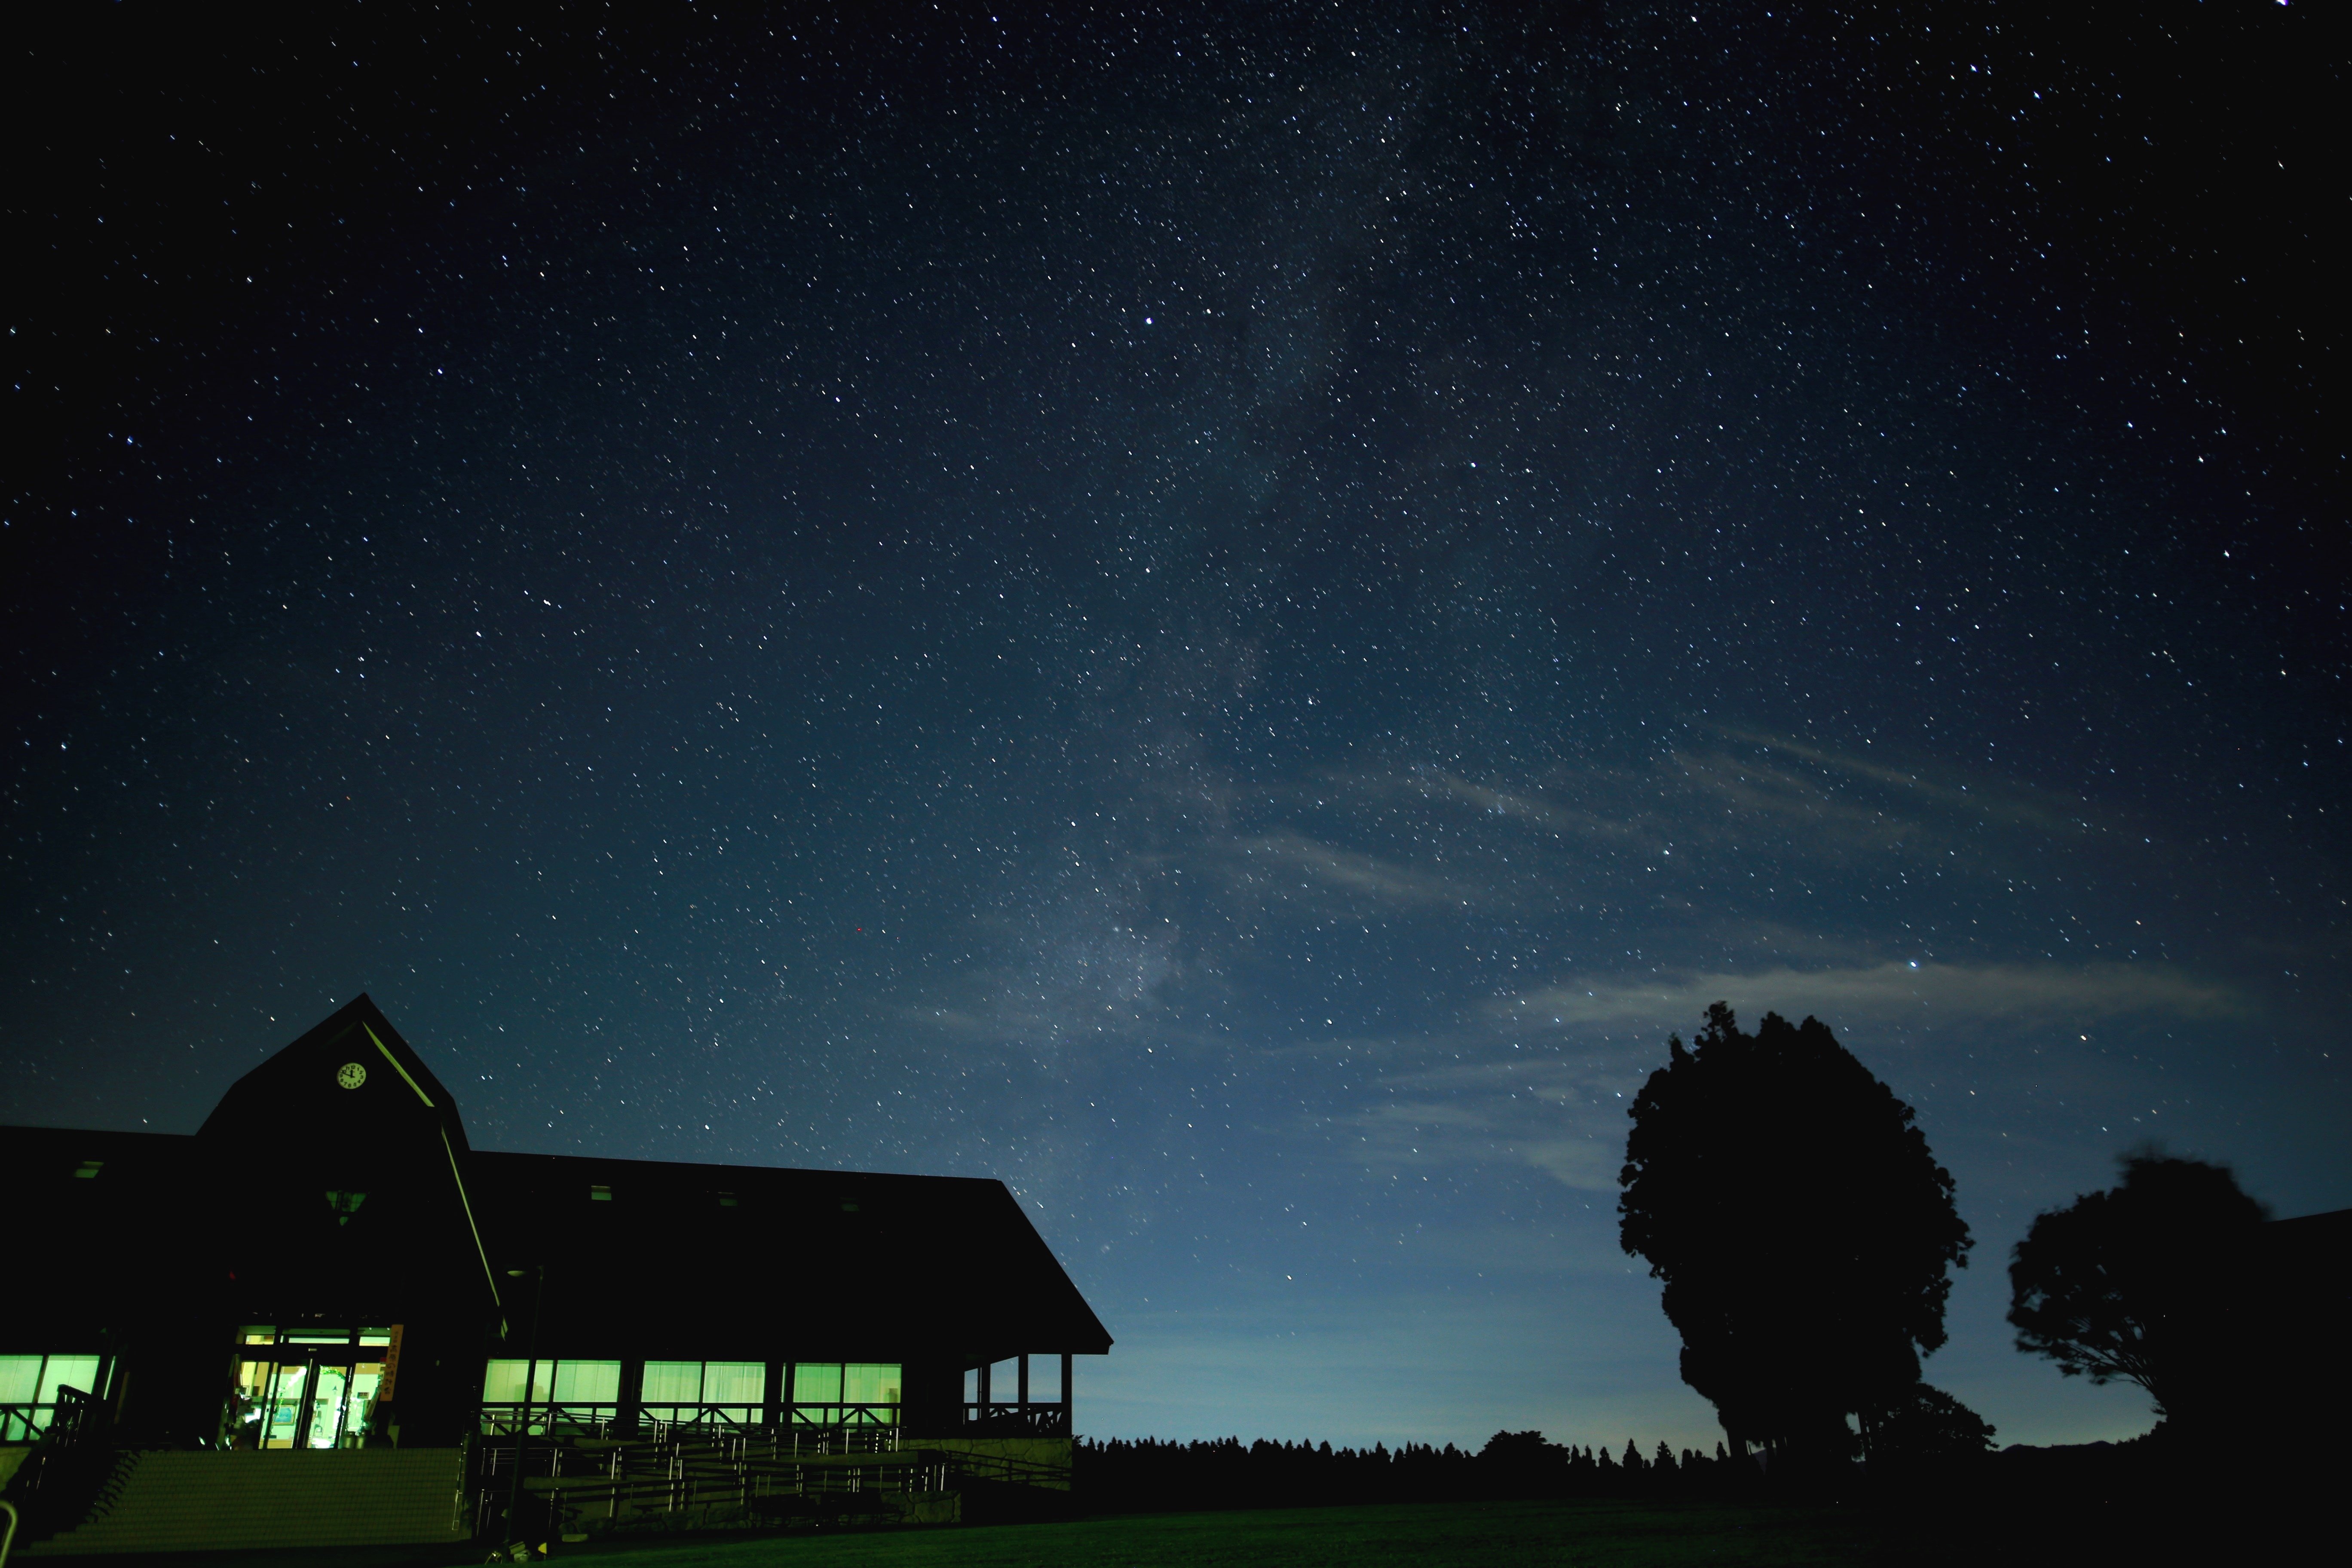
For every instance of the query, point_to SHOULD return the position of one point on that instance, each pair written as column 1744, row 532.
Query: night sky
column 1224, row 613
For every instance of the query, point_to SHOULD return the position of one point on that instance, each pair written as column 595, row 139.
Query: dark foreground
column 1583, row 1533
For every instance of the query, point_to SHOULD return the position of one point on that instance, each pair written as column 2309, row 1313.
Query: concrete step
column 202, row 1500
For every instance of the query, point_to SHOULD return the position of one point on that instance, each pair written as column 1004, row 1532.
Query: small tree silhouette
column 2135, row 1282
column 1924, row 1423
column 1800, row 1223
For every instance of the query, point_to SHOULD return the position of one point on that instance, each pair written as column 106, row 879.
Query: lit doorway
column 306, row 1388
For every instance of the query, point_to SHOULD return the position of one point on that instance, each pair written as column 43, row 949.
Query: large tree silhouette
column 2141, row 1282
column 1800, row 1223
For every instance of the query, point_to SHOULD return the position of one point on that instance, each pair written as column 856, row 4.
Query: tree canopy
column 1800, row 1224
column 2138, row 1282
column 1924, row 1423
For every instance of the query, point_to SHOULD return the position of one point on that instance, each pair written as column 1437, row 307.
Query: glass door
column 328, row 1387
column 310, row 1389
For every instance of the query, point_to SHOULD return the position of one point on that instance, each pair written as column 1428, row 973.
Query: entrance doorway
column 305, row 1388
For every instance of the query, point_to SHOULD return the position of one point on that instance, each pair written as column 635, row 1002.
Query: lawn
column 1404, row 1535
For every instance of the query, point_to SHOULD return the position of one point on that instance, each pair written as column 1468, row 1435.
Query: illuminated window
column 673, row 1382
column 502, row 1382
column 566, row 1396
column 816, row 1382
column 857, row 1394
column 705, row 1392
column 869, row 1382
column 28, row 1390
column 587, row 1381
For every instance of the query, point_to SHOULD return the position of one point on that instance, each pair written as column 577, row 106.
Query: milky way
column 1227, row 619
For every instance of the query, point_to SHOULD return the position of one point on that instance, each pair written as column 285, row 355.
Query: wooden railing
column 71, row 1471
column 765, row 1474
column 997, row 1419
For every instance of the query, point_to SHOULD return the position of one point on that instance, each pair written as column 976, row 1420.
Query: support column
column 985, row 1367
column 633, row 1386
column 1024, row 1383
column 774, row 1406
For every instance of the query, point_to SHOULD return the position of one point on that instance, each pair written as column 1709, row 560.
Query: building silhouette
column 326, row 1267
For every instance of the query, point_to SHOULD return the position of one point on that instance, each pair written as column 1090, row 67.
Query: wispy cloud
column 1944, row 994
column 1563, row 1117
column 1349, row 872
column 1517, row 808
column 1559, row 1105
column 1997, row 799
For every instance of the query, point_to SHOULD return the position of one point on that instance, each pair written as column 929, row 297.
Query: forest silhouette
column 1803, row 1234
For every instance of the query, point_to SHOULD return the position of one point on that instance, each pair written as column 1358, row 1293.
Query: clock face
column 350, row 1075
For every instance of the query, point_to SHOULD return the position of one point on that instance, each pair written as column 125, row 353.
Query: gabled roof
column 829, row 1264
column 354, row 1060
column 382, row 1209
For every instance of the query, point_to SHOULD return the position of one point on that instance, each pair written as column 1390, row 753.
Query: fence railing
column 665, row 1467
column 68, row 1417
column 844, row 1416
column 603, row 1420
column 996, row 1419
column 557, row 1420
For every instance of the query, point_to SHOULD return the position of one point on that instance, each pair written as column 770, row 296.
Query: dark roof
column 78, row 1245
column 396, row 1095
column 716, row 1261
column 849, row 1264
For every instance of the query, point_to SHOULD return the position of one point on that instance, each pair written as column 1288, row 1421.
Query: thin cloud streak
column 1365, row 876
column 1950, row 994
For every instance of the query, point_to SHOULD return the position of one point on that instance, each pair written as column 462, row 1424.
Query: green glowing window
column 502, row 1384
column 587, row 1381
column 563, row 1382
column 816, row 1382
column 20, row 1378
column 29, row 1390
column 734, row 1383
column 68, row 1372
column 869, row 1382
column 673, row 1382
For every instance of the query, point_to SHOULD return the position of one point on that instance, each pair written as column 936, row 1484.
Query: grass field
column 1404, row 1535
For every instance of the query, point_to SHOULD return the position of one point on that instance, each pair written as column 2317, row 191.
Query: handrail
column 1034, row 1419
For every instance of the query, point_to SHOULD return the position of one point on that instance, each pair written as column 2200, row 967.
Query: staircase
column 195, row 1500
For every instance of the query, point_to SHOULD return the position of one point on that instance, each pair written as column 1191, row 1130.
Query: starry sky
column 1225, row 613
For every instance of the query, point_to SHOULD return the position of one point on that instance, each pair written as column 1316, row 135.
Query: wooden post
column 984, row 1368
column 1068, row 1429
column 1024, row 1383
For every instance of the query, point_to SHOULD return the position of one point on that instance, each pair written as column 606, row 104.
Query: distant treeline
column 1148, row 1475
